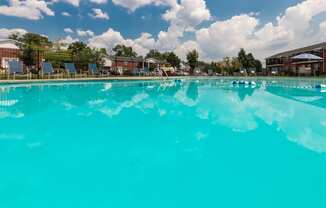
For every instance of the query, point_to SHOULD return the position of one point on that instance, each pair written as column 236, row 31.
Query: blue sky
column 131, row 24
column 176, row 25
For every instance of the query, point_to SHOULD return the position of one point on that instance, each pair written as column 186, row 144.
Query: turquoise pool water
column 197, row 143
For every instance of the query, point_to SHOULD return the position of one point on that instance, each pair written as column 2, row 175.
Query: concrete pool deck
column 16, row 81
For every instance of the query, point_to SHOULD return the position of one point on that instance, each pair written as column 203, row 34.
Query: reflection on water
column 299, row 114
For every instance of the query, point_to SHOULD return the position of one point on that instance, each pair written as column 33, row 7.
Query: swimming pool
column 190, row 143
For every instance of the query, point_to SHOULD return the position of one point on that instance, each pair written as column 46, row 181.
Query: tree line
column 35, row 48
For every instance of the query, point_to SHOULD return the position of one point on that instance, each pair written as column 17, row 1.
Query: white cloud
column 65, row 14
column 226, row 37
column 85, row 33
column 29, row 9
column 99, row 14
column 111, row 38
column 63, row 43
column 297, row 27
column 188, row 14
column 182, row 16
column 99, row 1
column 4, row 32
column 132, row 5
column 182, row 49
column 106, row 40
column 68, row 30
column 74, row 3
column 68, row 39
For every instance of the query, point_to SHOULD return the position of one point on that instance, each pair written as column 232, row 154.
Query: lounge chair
column 135, row 72
column 71, row 70
column 93, row 70
column 144, row 72
column 252, row 71
column 243, row 72
column 47, row 69
column 16, row 69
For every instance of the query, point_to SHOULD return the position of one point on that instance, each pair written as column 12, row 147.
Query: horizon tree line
column 35, row 48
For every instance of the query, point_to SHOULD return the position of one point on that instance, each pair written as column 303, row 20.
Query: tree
column 33, row 47
column 251, row 60
column 258, row 65
column 243, row 58
column 173, row 59
column 76, row 47
column 215, row 67
column 248, row 60
column 97, row 56
column 153, row 53
column 80, row 54
column 122, row 50
column 235, row 64
column 58, row 57
column 228, row 65
column 192, row 58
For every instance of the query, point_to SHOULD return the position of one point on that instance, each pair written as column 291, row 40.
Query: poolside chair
column 93, row 70
column 135, row 72
column 144, row 72
column 47, row 69
column 71, row 69
column 243, row 71
column 15, row 68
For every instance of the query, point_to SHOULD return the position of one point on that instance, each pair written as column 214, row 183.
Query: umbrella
column 307, row 56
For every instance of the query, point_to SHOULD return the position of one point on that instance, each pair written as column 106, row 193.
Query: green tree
column 215, row 67
column 234, row 65
column 243, row 59
column 122, row 50
column 76, row 47
column 153, row 53
column 258, row 65
column 80, row 54
column 33, row 47
column 251, row 60
column 192, row 58
column 97, row 56
column 173, row 59
column 248, row 60
column 58, row 57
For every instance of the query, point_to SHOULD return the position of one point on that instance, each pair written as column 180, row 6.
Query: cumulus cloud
column 226, row 37
column 85, row 33
column 182, row 16
column 63, row 43
column 68, row 39
column 299, row 25
column 65, row 14
column 132, row 5
column 4, row 32
column 99, row 14
column 295, row 28
column 72, row 2
column 68, row 30
column 187, row 14
column 29, row 9
column 182, row 49
column 99, row 1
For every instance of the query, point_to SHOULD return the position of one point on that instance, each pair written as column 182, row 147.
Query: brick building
column 126, row 64
column 8, row 51
column 284, row 63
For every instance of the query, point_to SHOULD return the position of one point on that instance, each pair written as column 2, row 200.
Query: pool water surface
column 188, row 143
